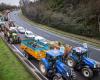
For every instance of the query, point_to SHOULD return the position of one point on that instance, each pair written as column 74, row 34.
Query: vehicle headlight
column 95, row 65
column 67, row 74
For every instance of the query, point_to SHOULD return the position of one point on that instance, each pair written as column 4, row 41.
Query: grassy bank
column 10, row 67
column 82, row 39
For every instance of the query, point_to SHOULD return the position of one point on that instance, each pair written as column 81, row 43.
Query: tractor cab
column 12, row 36
column 2, row 23
column 79, row 51
column 13, row 32
column 79, row 59
column 54, row 55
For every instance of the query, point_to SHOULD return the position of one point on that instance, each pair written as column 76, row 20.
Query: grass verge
column 10, row 67
column 82, row 39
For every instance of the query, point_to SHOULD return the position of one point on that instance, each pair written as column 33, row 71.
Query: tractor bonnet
column 54, row 53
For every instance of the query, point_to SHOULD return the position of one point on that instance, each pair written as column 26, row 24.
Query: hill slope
column 75, row 16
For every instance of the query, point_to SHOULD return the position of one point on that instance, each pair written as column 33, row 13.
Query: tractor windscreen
column 80, row 51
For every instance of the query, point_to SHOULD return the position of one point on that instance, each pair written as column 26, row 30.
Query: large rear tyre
column 43, row 68
column 87, row 72
column 71, row 63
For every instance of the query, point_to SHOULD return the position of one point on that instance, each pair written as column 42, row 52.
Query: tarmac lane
column 93, row 52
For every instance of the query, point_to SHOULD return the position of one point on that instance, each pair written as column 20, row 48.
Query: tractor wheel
column 58, row 77
column 43, row 68
column 11, row 41
column 87, row 72
column 71, row 63
column 73, row 76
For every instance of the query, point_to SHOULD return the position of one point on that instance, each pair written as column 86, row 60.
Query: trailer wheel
column 71, row 63
column 87, row 72
column 43, row 68
column 27, row 55
column 58, row 77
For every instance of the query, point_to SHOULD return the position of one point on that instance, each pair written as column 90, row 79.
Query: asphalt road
column 94, row 52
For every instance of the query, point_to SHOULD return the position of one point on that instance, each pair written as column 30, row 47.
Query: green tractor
column 2, row 23
column 12, row 36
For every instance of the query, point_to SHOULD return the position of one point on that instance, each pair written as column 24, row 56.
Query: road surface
column 93, row 52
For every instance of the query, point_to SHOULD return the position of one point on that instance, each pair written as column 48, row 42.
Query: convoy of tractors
column 57, row 61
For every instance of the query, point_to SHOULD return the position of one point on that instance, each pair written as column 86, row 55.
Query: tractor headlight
column 95, row 65
column 67, row 74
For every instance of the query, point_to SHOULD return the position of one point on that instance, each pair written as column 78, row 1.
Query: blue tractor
column 53, row 67
column 79, row 59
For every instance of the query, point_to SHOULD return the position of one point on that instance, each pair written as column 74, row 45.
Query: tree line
column 6, row 7
column 74, row 16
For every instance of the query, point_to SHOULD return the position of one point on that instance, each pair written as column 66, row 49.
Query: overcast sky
column 12, row 2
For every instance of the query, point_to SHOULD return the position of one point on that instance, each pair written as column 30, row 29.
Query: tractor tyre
column 87, row 72
column 43, row 69
column 71, row 63
column 11, row 41
column 73, row 76
column 57, row 77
